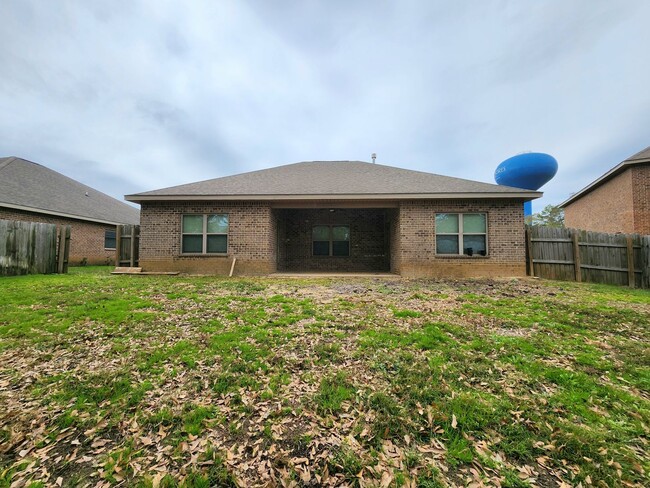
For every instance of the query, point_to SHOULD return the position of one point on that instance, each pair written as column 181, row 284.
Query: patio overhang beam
column 336, row 204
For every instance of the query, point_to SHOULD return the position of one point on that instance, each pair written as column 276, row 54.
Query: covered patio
column 334, row 239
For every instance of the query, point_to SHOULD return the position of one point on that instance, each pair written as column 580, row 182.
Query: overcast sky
column 128, row 96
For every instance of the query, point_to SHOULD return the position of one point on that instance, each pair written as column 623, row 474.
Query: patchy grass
column 199, row 381
column 332, row 392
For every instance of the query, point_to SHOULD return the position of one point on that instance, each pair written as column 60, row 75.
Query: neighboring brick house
column 338, row 216
column 618, row 201
column 32, row 192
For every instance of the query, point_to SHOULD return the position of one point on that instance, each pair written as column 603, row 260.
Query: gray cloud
column 137, row 95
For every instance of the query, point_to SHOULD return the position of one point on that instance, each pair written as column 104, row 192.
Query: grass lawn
column 160, row 381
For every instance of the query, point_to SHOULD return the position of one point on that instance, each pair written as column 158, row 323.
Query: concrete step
column 126, row 270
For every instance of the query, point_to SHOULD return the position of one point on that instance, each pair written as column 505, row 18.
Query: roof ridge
column 321, row 161
column 338, row 179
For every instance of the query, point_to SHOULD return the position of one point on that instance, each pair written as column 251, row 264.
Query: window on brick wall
column 461, row 233
column 109, row 239
column 204, row 234
column 331, row 240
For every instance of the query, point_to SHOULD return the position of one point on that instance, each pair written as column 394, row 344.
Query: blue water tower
column 529, row 171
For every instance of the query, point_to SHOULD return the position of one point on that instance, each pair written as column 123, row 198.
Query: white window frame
column 460, row 234
column 205, row 234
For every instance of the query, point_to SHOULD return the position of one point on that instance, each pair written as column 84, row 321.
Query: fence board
column 27, row 248
column 645, row 258
column 596, row 257
column 128, row 245
column 64, row 248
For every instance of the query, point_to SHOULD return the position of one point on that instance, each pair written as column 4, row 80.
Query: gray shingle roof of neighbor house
column 29, row 186
column 642, row 157
column 333, row 180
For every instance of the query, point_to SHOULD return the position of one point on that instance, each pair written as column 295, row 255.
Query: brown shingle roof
column 333, row 180
column 33, row 187
column 642, row 157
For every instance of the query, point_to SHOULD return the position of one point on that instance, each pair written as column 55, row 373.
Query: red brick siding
column 607, row 208
column 86, row 239
column 251, row 238
column 254, row 228
column 395, row 247
column 641, row 198
column 506, row 239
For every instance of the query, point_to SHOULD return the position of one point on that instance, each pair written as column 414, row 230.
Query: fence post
column 61, row 247
column 630, row 262
column 132, row 256
column 118, row 244
column 66, row 252
column 576, row 255
column 529, row 248
column 645, row 262
column 51, row 260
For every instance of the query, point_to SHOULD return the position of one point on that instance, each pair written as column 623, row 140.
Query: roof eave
column 525, row 195
column 59, row 214
column 615, row 171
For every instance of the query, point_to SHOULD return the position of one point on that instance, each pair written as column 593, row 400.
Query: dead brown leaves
column 262, row 434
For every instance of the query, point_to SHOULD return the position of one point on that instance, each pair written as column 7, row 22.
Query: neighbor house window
column 109, row 239
column 331, row 240
column 205, row 234
column 461, row 233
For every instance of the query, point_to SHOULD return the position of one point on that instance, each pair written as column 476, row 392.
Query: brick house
column 335, row 216
column 618, row 201
column 34, row 193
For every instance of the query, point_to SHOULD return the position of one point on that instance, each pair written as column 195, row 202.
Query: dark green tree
column 549, row 216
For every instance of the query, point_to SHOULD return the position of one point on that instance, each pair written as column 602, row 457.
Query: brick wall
column 395, row 248
column 641, row 198
column 607, row 208
column 368, row 239
column 251, row 238
column 621, row 204
column 506, row 240
column 398, row 239
column 86, row 240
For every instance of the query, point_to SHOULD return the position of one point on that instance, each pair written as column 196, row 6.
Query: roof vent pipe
column 373, row 156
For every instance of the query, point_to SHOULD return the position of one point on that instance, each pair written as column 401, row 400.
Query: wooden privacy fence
column 594, row 257
column 127, row 245
column 33, row 248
